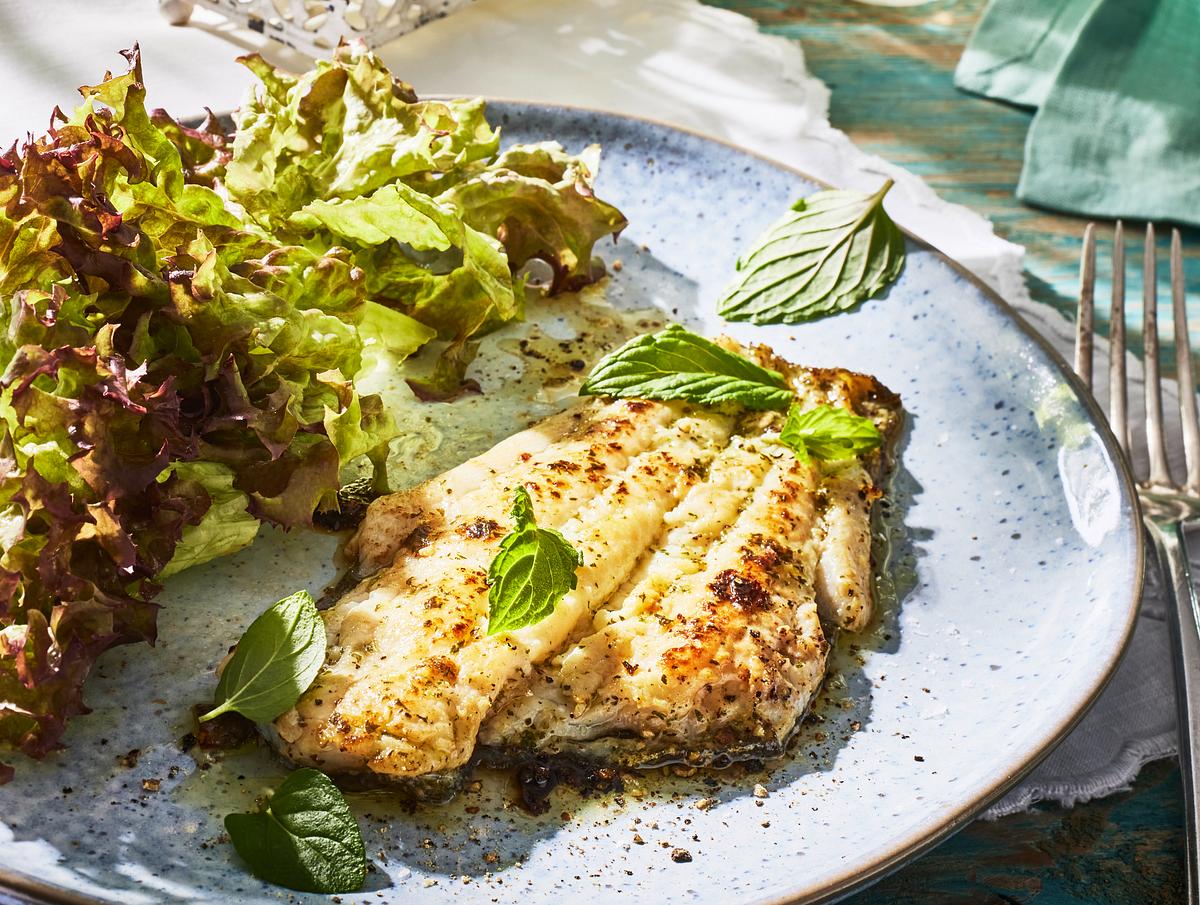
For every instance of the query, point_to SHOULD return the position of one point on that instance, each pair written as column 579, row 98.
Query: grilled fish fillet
column 711, row 559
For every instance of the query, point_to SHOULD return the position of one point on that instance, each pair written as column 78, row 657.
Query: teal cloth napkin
column 1018, row 46
column 1117, row 86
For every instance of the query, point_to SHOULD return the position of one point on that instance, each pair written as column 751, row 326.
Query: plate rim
column 919, row 842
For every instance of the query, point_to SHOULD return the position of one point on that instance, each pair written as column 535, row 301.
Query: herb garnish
column 828, row 432
column 831, row 251
column 275, row 662
column 533, row 571
column 304, row 837
column 677, row 364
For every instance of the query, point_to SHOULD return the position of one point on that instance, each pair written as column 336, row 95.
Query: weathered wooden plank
column 1122, row 849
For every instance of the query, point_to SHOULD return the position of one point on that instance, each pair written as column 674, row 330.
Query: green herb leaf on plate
column 677, row 364
column 831, row 251
column 304, row 838
column 533, row 571
column 828, row 432
column 275, row 662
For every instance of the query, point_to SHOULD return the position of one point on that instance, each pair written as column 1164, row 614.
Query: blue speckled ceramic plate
column 1009, row 594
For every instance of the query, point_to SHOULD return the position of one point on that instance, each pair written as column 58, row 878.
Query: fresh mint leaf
column 828, row 432
column 275, row 662
column 677, row 364
column 831, row 251
column 533, row 571
column 304, row 838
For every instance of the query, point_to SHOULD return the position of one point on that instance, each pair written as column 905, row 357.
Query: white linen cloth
column 673, row 60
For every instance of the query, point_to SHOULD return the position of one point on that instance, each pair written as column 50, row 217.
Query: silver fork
column 1167, row 507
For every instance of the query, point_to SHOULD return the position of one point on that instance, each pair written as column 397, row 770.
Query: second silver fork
column 1167, row 506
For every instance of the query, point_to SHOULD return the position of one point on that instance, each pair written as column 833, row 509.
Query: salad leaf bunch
column 437, row 218
column 182, row 315
column 170, row 380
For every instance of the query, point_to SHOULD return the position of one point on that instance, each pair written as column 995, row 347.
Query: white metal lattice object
column 314, row 27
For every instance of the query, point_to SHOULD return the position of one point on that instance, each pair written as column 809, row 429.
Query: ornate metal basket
column 315, row 26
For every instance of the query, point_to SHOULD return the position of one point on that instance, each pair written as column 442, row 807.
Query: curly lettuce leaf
column 343, row 130
column 417, row 190
column 204, row 151
column 389, row 337
column 539, row 201
column 446, row 380
column 392, row 213
column 226, row 527
column 475, row 284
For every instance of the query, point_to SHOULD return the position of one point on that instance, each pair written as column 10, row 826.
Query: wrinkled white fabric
column 674, row 60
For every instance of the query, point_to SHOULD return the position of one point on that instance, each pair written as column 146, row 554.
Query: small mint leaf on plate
column 828, row 253
column 275, row 662
column 304, row 838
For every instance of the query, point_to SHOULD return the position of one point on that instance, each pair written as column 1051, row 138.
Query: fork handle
column 1184, row 618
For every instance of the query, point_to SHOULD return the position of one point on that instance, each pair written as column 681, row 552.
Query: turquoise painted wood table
column 891, row 72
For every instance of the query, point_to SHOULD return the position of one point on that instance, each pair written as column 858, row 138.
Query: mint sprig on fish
column 677, row 364
column 828, row 432
column 533, row 571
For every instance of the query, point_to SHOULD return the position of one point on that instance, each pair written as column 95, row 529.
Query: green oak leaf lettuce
column 226, row 526
column 388, row 336
column 455, row 291
column 417, row 190
column 539, row 200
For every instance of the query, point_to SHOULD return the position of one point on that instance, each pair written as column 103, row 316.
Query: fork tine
column 1183, row 367
column 1085, row 319
column 1118, row 398
column 1160, row 471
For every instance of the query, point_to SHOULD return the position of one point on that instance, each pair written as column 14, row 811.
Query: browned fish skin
column 410, row 672
column 849, row 489
column 718, row 649
column 714, row 564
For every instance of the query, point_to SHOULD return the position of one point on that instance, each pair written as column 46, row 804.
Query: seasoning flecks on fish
column 714, row 563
